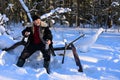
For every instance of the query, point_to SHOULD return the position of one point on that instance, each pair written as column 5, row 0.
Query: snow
column 10, row 6
column 2, row 29
column 100, row 62
column 4, row 41
column 115, row 4
column 86, row 43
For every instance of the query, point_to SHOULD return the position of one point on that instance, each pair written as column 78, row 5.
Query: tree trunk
column 26, row 9
column 78, row 13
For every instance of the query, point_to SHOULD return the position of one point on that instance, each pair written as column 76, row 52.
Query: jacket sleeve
column 28, row 29
column 47, row 34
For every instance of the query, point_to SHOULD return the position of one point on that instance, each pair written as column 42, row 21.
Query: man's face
column 37, row 22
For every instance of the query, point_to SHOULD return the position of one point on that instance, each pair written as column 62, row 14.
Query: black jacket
column 44, row 32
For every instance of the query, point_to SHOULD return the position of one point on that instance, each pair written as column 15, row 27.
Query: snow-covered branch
column 3, row 20
column 26, row 9
column 115, row 4
column 58, row 10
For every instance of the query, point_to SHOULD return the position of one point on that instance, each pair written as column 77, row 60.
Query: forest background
column 103, row 13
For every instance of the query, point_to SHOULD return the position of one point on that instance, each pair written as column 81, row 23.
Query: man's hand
column 27, row 33
column 48, row 41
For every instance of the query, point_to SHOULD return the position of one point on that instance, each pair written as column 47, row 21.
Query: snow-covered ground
column 100, row 62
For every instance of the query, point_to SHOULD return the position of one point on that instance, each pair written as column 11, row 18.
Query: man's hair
column 35, row 17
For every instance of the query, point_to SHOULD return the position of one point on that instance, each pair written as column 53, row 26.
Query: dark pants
column 29, row 50
column 15, row 45
column 51, row 49
column 22, row 42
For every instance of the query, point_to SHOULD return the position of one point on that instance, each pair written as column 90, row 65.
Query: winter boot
column 46, row 65
column 20, row 62
column 5, row 49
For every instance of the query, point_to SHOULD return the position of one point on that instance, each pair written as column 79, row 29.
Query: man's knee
column 46, row 56
column 22, row 59
column 24, row 55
